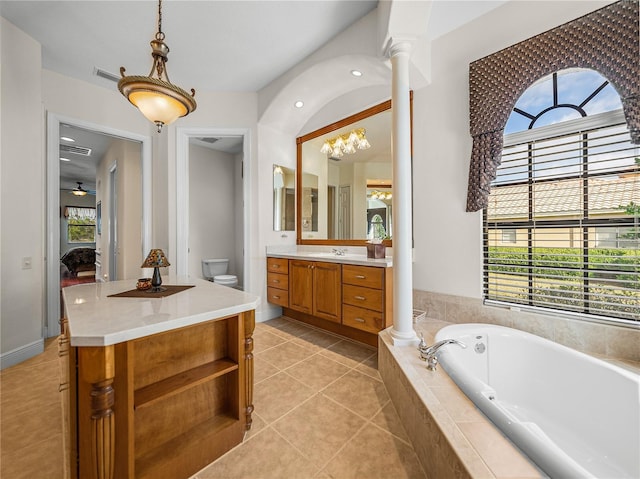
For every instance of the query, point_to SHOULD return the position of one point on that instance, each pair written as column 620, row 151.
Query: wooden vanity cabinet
column 314, row 288
column 278, row 281
column 351, row 300
column 364, row 298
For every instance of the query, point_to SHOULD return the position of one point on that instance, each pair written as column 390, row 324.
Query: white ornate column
column 402, row 331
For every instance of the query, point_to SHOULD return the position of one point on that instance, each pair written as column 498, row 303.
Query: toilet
column 215, row 270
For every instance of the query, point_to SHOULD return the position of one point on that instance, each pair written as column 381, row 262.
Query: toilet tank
column 214, row 267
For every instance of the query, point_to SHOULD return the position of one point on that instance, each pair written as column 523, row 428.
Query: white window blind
column 568, row 197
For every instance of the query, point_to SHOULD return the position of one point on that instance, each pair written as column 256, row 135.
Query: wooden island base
column 164, row 405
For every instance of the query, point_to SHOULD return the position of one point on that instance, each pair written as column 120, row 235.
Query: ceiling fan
column 80, row 191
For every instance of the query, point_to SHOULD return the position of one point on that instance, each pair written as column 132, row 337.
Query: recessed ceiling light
column 66, row 138
column 64, row 159
column 299, row 104
column 356, row 73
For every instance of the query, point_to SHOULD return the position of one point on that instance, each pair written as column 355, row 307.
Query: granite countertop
column 95, row 319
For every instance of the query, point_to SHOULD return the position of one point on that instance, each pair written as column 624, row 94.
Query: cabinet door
column 327, row 283
column 301, row 286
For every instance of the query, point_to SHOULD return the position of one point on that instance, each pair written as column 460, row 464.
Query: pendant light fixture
column 157, row 98
column 79, row 191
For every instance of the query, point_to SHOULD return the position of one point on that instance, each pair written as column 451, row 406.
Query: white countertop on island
column 97, row 320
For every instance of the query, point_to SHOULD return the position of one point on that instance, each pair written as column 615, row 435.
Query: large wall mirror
column 345, row 180
column 284, row 199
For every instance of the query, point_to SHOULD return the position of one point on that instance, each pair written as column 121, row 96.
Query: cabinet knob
column 360, row 276
column 275, row 281
column 275, row 297
column 360, row 320
column 361, row 298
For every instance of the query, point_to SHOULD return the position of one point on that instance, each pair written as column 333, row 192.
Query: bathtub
column 573, row 415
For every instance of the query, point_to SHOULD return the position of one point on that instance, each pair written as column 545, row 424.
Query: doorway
column 56, row 184
column 212, row 200
column 344, row 212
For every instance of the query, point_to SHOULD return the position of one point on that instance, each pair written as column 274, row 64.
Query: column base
column 400, row 338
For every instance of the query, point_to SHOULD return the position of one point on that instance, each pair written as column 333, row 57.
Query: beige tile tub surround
column 452, row 438
column 607, row 341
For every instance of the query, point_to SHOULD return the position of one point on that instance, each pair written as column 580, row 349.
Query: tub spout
column 428, row 353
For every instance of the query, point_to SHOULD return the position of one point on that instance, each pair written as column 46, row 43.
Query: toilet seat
column 226, row 279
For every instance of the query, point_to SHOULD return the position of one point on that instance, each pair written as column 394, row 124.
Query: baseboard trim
column 11, row 358
column 267, row 313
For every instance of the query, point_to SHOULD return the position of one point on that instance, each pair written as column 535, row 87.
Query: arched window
column 604, row 41
column 564, row 95
column 562, row 225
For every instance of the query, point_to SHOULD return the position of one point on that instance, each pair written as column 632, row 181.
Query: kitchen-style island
column 158, row 386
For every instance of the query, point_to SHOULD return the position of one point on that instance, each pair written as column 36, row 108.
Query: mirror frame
column 384, row 106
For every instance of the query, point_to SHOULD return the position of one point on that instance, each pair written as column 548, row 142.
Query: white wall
column 130, row 255
column 28, row 92
column 22, row 215
column 212, row 212
column 448, row 241
column 126, row 156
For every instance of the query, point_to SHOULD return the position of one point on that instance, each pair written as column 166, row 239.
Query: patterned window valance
column 606, row 40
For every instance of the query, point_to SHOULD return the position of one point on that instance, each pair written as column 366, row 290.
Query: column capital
column 398, row 46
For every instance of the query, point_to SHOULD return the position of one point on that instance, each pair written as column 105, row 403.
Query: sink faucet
column 339, row 251
column 428, row 353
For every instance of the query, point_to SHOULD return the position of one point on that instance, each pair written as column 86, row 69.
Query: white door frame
column 182, row 193
column 52, row 279
column 112, row 274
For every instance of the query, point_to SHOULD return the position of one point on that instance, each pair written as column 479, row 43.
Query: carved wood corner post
column 249, row 325
column 97, row 441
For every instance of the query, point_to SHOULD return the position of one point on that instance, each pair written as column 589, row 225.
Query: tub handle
column 428, row 353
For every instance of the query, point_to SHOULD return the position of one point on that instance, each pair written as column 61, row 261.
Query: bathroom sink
column 333, row 255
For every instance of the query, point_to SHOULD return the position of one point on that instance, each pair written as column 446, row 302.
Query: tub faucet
column 428, row 353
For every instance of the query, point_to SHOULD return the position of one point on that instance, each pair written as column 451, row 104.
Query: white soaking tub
column 573, row 415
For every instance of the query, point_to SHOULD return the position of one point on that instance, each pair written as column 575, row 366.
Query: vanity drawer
column 360, row 318
column 362, row 297
column 278, row 296
column 278, row 265
column 367, row 276
column 277, row 280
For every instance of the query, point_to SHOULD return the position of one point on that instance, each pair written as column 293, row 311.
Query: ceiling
column 216, row 45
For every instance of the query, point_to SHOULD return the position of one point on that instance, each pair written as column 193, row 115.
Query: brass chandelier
column 348, row 143
column 158, row 99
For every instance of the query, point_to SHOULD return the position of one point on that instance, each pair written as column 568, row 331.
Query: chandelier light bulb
column 347, row 143
column 326, row 148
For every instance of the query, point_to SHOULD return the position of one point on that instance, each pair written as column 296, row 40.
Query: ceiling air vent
column 78, row 150
column 209, row 139
column 106, row 75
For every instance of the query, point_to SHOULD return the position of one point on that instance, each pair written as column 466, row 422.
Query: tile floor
column 31, row 445
column 321, row 411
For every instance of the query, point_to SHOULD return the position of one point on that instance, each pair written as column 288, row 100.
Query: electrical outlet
column 26, row 262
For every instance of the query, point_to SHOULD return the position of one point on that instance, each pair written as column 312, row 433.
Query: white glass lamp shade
column 158, row 108
column 159, row 101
